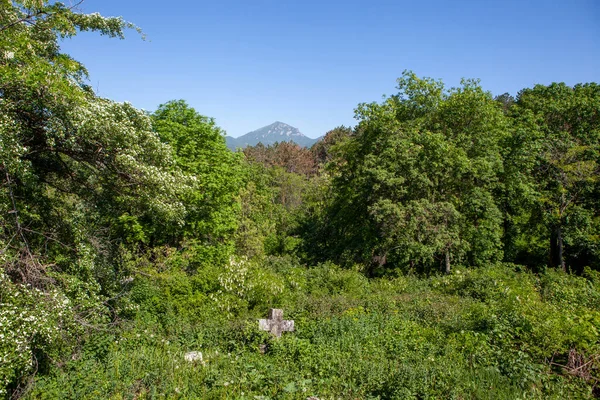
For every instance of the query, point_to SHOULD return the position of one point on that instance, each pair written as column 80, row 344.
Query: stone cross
column 275, row 323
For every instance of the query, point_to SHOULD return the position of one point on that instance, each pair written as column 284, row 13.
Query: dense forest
column 447, row 246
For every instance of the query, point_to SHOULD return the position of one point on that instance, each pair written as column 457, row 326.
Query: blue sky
column 309, row 63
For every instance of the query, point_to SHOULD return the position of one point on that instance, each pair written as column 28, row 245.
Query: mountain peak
column 268, row 135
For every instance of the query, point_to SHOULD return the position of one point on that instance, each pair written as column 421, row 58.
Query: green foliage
column 557, row 153
column 129, row 239
column 274, row 203
column 24, row 328
column 79, row 176
column 324, row 150
column 39, row 326
column 72, row 164
column 485, row 333
column 418, row 179
column 214, row 172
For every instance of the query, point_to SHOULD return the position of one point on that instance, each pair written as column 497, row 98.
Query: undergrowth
column 488, row 333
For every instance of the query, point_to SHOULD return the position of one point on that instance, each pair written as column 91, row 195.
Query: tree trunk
column 560, row 245
column 553, row 259
column 447, row 261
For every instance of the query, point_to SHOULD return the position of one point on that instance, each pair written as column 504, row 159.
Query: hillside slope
column 269, row 135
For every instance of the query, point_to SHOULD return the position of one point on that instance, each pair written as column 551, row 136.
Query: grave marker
column 275, row 323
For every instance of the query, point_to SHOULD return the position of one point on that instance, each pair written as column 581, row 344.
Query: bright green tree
column 214, row 173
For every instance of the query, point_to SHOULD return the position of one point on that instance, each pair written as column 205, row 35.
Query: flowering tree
column 74, row 168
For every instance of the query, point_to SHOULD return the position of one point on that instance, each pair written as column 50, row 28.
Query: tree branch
column 39, row 13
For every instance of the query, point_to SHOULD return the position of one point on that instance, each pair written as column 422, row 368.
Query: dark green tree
column 557, row 154
column 416, row 184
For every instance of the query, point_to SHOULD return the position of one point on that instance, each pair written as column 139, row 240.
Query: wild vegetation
column 447, row 246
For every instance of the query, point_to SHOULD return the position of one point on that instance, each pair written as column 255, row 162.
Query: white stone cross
column 275, row 323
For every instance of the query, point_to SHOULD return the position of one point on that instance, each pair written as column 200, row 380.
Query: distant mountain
column 271, row 134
